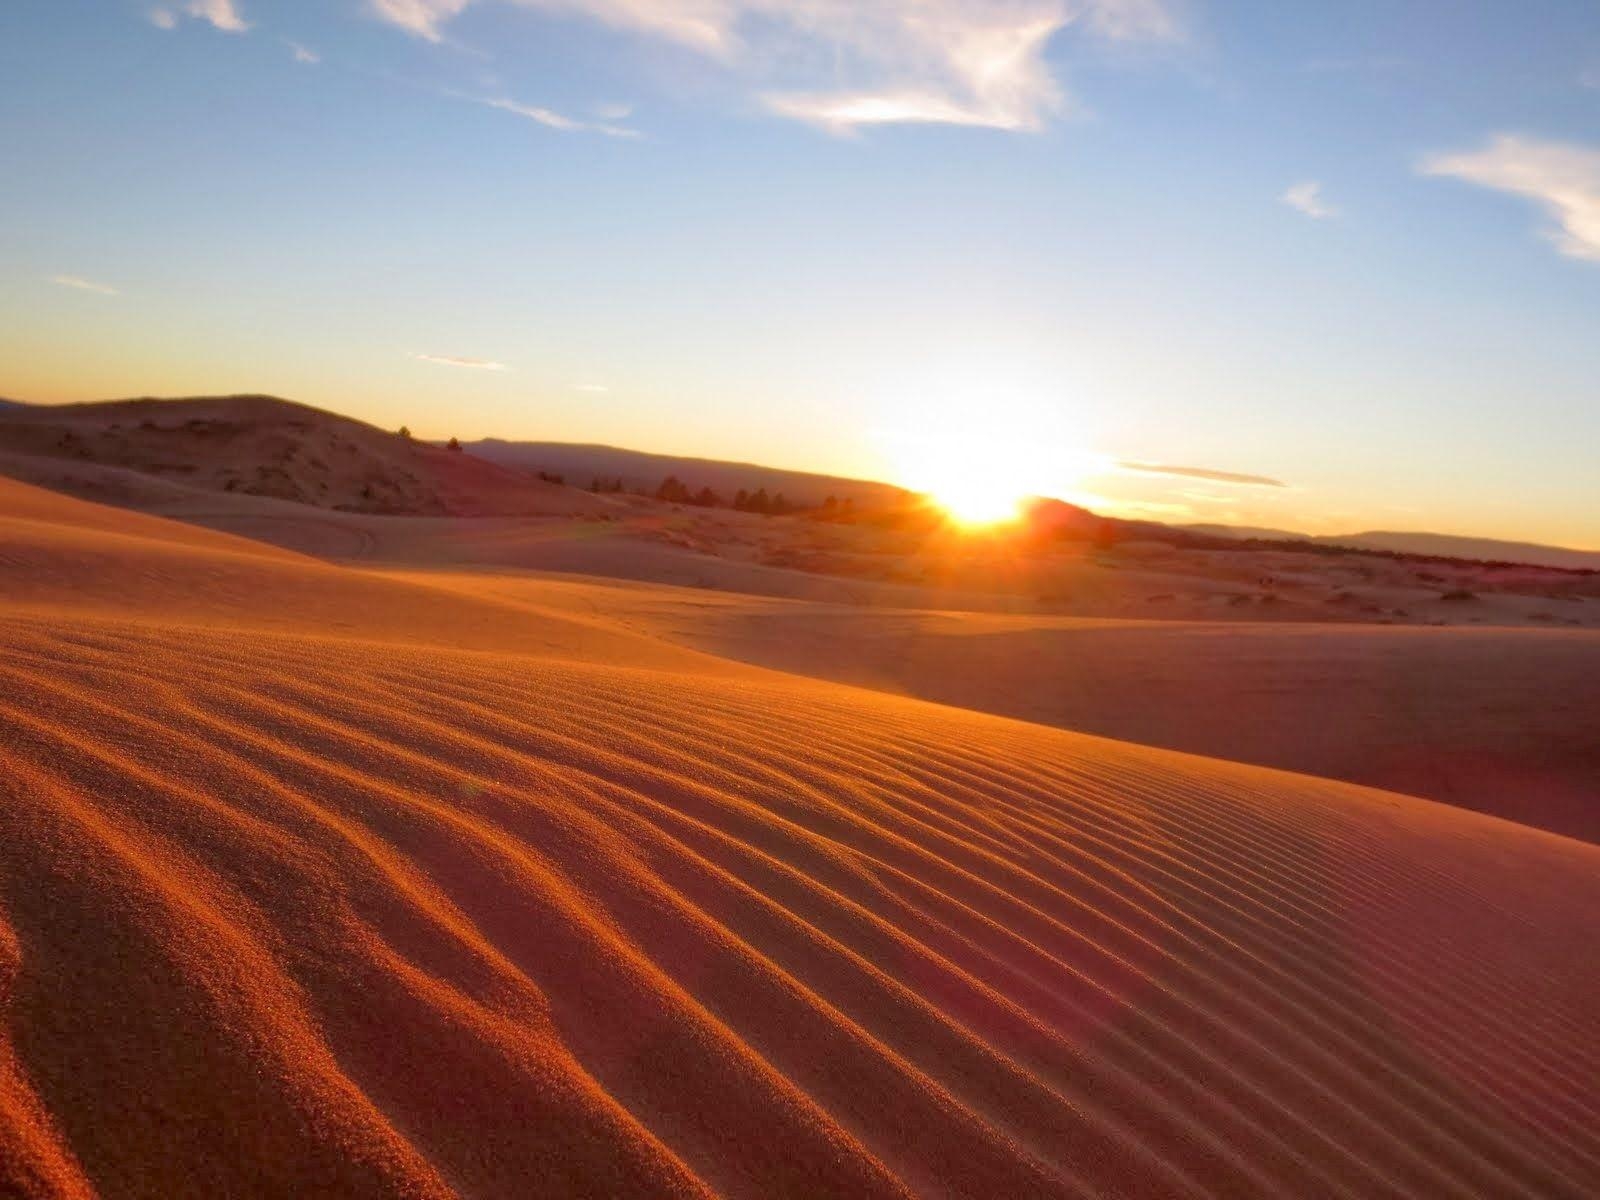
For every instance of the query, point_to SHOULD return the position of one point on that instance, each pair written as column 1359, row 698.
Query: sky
column 1315, row 267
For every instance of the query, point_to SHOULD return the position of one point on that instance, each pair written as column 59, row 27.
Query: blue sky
column 1352, row 248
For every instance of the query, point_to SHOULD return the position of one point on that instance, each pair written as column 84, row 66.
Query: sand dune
column 1484, row 549
column 261, row 446
column 1498, row 720
column 288, row 908
column 58, row 554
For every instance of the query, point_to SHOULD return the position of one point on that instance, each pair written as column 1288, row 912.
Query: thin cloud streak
column 1561, row 177
column 421, row 18
column 451, row 360
column 303, row 54
column 958, row 62
column 78, row 283
column 1144, row 468
column 551, row 119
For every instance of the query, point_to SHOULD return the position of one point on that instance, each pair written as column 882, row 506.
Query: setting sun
column 979, row 501
column 983, row 476
column 981, row 463
column 974, row 476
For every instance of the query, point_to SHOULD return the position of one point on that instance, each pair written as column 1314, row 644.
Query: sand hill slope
column 1499, row 720
column 288, row 908
column 1442, row 544
column 636, row 469
column 263, row 446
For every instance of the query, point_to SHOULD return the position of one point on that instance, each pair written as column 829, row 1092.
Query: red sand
column 319, row 883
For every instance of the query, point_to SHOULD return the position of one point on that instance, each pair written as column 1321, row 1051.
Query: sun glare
column 979, row 501
column 981, row 463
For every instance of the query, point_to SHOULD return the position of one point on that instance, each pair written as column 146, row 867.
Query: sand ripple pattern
column 282, row 916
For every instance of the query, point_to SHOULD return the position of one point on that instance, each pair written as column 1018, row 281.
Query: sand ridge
column 290, row 909
column 1492, row 719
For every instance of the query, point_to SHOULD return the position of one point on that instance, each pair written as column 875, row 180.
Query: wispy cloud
column 1561, row 177
column 424, row 18
column 978, row 68
column 1145, row 468
column 223, row 14
column 594, row 389
column 303, row 54
column 960, row 62
column 1306, row 197
column 551, row 119
column 451, row 360
column 78, row 283
column 220, row 13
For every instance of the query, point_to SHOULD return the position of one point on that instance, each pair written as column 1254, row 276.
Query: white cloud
column 420, row 17
column 451, row 360
column 303, row 54
column 963, row 62
column 81, row 284
column 978, row 74
column 1561, row 177
column 975, row 66
column 594, row 389
column 223, row 14
column 220, row 13
column 1307, row 198
column 551, row 119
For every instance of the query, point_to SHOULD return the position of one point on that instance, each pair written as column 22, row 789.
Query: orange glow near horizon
column 980, row 462
column 979, row 502
column 971, row 476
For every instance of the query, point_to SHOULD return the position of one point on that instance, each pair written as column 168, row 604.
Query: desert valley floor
column 366, row 856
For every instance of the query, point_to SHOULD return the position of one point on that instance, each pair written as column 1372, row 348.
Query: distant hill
column 1241, row 532
column 264, row 446
column 580, row 464
column 1441, row 545
column 1488, row 549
